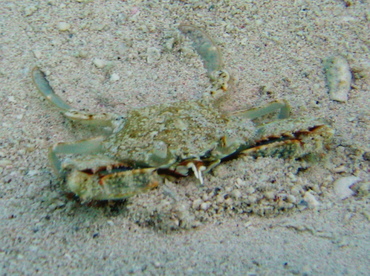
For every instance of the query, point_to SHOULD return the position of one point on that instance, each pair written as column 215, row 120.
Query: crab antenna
column 280, row 105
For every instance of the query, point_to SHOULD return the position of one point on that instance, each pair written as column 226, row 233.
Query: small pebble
column 157, row 264
column 205, row 197
column 154, row 54
column 236, row 194
column 33, row 248
column 291, row 199
column 37, row 54
column 252, row 199
column 366, row 156
column 29, row 10
column 342, row 186
column 340, row 169
column 82, row 54
column 33, row 172
column 269, row 195
column 169, row 44
column 205, row 205
column 295, row 190
column 311, row 200
column 292, row 177
column 99, row 63
column 220, row 199
column 229, row 201
column 196, row 203
column 361, row 70
column 338, row 76
column 364, row 189
column 63, row 26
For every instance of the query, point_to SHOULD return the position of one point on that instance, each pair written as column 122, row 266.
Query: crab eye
column 120, row 118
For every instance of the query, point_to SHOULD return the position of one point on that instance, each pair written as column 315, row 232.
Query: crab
column 172, row 140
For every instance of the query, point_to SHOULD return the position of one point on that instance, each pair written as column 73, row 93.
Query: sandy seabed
column 114, row 56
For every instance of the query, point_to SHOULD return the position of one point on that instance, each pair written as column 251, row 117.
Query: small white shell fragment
column 82, row 54
column 63, row 26
column 248, row 224
column 157, row 264
column 205, row 206
column 311, row 200
column 196, row 203
column 99, row 63
column 33, row 172
column 169, row 43
column 252, row 199
column 338, row 77
column 236, row 194
column 11, row 99
column 205, row 197
column 239, row 181
column 291, row 199
column 37, row 54
column 340, row 169
column 114, row 77
column 342, row 186
column 153, row 54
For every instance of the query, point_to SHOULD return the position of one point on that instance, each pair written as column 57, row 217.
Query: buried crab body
column 175, row 139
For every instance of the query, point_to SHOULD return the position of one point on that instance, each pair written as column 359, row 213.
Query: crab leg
column 279, row 105
column 205, row 47
column 43, row 86
column 306, row 141
column 211, row 56
column 88, row 146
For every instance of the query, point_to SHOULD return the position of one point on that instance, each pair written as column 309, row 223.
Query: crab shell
column 101, row 177
column 175, row 139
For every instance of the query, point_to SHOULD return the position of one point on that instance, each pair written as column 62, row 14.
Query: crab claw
column 197, row 168
column 111, row 183
column 183, row 168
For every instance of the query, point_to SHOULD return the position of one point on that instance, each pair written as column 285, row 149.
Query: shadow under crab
column 175, row 139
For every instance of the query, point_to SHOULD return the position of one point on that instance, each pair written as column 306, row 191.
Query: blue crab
column 175, row 139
